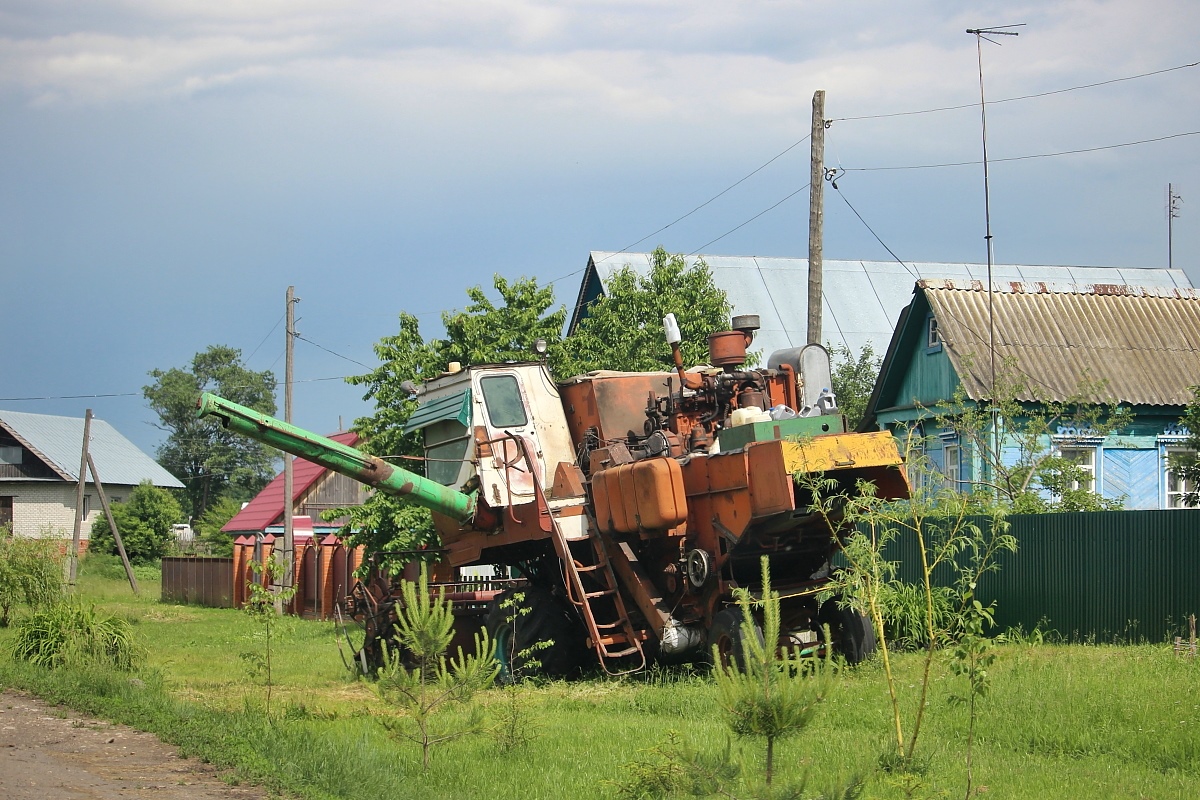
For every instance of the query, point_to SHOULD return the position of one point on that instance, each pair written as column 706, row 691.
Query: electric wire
column 733, row 185
column 1013, row 99
column 747, row 222
column 1026, row 157
column 331, row 352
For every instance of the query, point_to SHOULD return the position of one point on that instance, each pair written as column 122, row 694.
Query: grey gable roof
column 58, row 440
column 862, row 299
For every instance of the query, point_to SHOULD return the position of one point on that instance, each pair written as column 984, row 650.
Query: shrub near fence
column 198, row 580
column 1104, row 575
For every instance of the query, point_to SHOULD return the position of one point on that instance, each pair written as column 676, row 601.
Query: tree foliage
column 623, row 329
column 1029, row 473
column 210, row 460
column 31, row 573
column 482, row 333
column 144, row 522
column 207, row 528
column 853, row 377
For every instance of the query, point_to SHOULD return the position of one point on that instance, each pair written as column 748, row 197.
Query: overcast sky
column 169, row 167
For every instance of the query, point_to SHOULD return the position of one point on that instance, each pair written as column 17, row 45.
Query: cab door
column 502, row 414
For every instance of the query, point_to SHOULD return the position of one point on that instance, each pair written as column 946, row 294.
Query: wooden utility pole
column 289, row 539
column 112, row 524
column 73, row 560
column 816, row 216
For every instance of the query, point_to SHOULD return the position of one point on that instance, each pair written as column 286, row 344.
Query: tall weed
column 74, row 634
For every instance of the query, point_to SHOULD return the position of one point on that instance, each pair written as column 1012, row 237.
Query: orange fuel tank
column 645, row 495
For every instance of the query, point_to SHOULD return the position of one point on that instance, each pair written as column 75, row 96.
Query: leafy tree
column 854, row 379
column 144, row 522
column 261, row 605
column 210, row 460
column 482, row 333
column 953, row 533
column 623, row 329
column 1186, row 466
column 1029, row 474
column 31, row 573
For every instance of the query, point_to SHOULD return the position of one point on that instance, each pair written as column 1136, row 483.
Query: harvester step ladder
column 607, row 635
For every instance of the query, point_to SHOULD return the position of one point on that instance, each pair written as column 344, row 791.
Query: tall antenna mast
column 1174, row 206
column 981, row 34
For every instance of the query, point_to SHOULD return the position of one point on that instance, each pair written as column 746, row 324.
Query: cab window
column 502, row 397
column 445, row 449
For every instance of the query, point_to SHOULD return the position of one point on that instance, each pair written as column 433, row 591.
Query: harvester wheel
column 535, row 635
column 727, row 634
column 852, row 633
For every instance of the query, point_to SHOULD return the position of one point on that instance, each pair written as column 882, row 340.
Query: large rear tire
column 727, row 634
column 852, row 633
column 535, row 635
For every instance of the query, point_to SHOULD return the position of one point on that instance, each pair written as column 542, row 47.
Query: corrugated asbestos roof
column 1141, row 343
column 59, row 441
column 862, row 299
column 267, row 506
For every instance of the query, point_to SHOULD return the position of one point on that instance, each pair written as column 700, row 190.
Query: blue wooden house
column 1138, row 347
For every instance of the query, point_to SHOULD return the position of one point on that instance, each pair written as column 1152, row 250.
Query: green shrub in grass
column 74, row 634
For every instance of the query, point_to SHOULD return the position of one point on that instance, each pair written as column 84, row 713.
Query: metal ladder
column 610, row 631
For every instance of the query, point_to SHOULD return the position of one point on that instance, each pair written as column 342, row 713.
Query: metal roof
column 59, row 440
column 1141, row 343
column 267, row 506
column 455, row 406
column 862, row 299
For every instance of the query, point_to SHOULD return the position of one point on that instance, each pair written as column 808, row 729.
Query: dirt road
column 47, row 753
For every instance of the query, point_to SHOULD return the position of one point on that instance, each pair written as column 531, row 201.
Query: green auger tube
column 340, row 458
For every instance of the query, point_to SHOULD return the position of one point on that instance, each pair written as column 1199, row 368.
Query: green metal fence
column 1103, row 576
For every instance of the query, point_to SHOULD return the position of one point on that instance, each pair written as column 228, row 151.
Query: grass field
column 1061, row 720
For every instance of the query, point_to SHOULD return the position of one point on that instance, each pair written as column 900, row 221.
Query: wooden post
column 289, row 539
column 816, row 216
column 112, row 524
column 73, row 560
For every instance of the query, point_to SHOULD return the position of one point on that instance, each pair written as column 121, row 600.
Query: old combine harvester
column 631, row 503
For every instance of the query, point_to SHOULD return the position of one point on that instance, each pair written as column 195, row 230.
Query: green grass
column 1062, row 720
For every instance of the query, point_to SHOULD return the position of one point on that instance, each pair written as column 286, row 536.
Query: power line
column 872, row 230
column 1027, row 157
column 747, row 222
column 1021, row 97
column 264, row 339
column 332, row 353
column 69, row 397
column 733, row 185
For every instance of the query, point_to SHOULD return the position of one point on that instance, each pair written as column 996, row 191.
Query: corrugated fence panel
column 198, row 580
column 1107, row 576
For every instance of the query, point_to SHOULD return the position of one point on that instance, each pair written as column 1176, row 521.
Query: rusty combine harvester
column 632, row 504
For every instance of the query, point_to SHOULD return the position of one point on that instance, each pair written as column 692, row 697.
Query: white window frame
column 1175, row 487
column 933, row 337
column 953, row 473
column 1067, row 451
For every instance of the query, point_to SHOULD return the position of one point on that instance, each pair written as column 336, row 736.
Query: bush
column 208, row 527
column 144, row 522
column 76, row 635
column 31, row 573
column 904, row 611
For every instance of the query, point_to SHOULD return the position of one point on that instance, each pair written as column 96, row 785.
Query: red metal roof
column 267, row 506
